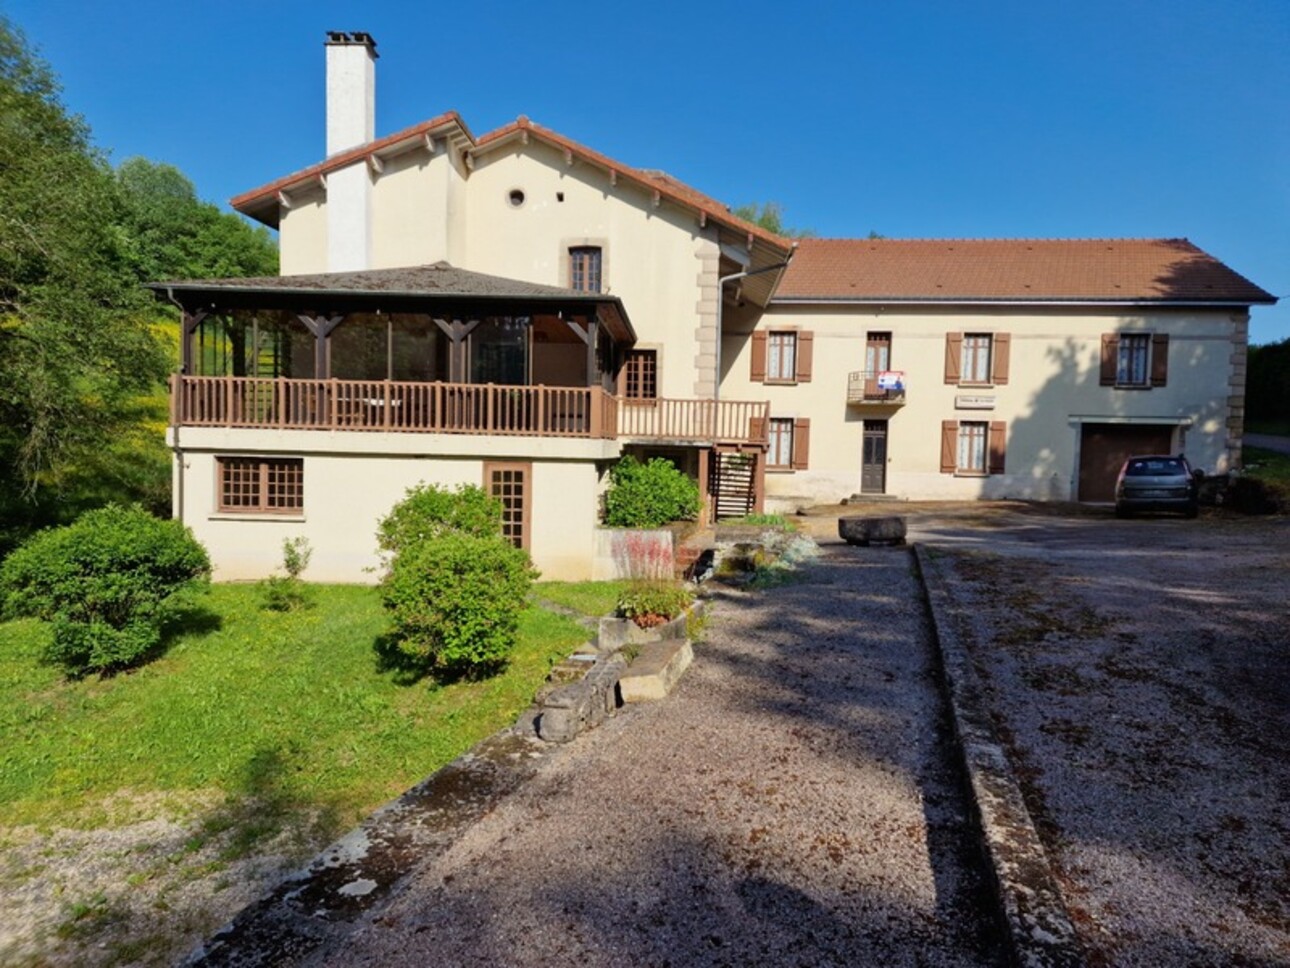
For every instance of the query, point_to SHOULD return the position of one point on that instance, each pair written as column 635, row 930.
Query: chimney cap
column 341, row 38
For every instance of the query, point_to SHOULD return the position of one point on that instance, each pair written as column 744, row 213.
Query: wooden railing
column 734, row 421
column 458, row 408
column 446, row 408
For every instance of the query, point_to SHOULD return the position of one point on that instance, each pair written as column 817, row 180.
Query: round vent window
column 516, row 198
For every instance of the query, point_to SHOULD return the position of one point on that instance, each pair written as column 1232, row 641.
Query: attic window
column 559, row 196
column 516, row 197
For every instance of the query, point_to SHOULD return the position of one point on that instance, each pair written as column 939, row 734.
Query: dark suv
column 1157, row 483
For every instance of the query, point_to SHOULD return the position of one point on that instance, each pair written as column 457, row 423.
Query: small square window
column 261, row 485
column 640, row 375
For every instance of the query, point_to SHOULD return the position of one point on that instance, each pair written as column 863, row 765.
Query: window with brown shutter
column 949, row 446
column 953, row 357
column 801, row 444
column 781, row 357
column 1110, row 356
column 779, row 455
column 1001, row 361
column 758, row 374
column 1159, row 359
column 998, row 446
column 805, row 355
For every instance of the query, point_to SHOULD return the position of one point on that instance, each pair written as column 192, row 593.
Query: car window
column 1156, row 467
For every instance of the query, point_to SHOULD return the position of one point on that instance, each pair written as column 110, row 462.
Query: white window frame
column 781, row 356
column 973, row 448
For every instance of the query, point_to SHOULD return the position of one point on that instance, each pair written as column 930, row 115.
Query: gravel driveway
column 793, row 802
column 1139, row 674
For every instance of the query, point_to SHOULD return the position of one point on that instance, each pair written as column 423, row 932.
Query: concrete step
column 655, row 670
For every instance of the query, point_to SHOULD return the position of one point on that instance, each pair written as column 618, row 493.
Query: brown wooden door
column 873, row 464
column 1105, row 447
column 877, row 357
column 512, row 484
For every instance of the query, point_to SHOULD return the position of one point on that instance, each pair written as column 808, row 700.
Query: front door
column 873, row 466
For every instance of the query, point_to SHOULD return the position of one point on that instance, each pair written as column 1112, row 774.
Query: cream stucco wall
column 1053, row 387
column 302, row 233
column 652, row 256
column 351, row 480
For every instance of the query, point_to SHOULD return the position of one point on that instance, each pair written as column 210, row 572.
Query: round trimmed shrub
column 106, row 582
column 456, row 600
column 429, row 510
column 645, row 495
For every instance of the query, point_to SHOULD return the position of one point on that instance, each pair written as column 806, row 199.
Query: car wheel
column 1121, row 512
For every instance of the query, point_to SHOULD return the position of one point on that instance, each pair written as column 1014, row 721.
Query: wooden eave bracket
column 322, row 181
column 470, row 160
column 428, row 141
column 284, row 200
column 583, row 334
column 703, row 220
column 194, row 319
column 658, row 198
column 455, row 329
column 613, row 177
column 320, row 326
column 568, row 155
column 375, row 163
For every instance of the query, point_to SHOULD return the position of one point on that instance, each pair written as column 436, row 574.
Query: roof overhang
column 1030, row 301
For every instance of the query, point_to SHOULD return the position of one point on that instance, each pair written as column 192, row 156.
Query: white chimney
column 351, row 90
column 351, row 121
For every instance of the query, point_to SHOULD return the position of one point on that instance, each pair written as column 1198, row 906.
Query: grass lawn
column 287, row 711
column 593, row 598
column 1267, row 464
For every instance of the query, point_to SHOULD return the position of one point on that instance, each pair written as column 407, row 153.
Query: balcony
column 875, row 388
column 459, row 408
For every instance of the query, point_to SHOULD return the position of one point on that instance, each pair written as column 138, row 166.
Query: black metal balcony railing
column 876, row 386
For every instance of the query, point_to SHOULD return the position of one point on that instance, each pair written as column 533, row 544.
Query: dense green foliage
column 429, row 510
column 645, row 495
column 83, row 347
column 281, row 712
column 1267, row 385
column 770, row 216
column 454, row 587
column 651, row 602
column 1264, row 487
column 106, row 583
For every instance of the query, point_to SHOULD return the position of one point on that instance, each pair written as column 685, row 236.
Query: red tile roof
column 261, row 203
column 1011, row 270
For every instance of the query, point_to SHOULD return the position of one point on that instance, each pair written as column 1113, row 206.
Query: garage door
column 1104, row 447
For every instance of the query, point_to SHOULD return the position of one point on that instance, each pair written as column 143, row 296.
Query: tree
column 770, row 216
column 75, row 343
column 171, row 234
column 1267, row 388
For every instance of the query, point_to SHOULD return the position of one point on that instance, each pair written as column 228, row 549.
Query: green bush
column 653, row 602
column 287, row 593
column 649, row 494
column 106, row 582
column 455, row 599
column 429, row 510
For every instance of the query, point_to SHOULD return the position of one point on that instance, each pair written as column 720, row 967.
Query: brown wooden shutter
column 1159, row 359
column 1110, row 358
column 1002, row 353
column 805, row 355
column 998, row 446
column 758, row 358
column 949, row 446
column 801, row 444
column 757, row 429
column 953, row 357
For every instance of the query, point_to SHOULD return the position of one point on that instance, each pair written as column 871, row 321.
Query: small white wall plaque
column 973, row 401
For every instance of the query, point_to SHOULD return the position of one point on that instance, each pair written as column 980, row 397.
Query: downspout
column 176, row 447
column 721, row 288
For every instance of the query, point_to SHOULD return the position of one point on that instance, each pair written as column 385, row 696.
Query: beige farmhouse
column 517, row 311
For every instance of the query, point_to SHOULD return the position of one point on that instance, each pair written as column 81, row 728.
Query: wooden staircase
column 733, row 482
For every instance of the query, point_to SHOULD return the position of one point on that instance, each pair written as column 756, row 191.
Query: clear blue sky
column 953, row 118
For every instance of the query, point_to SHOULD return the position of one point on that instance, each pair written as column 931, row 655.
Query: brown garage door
column 1104, row 447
